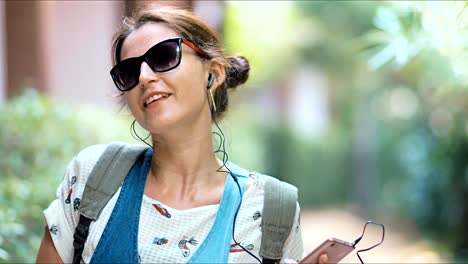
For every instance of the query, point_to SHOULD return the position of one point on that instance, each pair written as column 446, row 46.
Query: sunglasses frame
column 144, row 58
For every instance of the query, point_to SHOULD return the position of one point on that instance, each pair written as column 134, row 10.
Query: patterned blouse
column 165, row 234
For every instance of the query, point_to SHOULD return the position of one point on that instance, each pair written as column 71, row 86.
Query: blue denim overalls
column 119, row 240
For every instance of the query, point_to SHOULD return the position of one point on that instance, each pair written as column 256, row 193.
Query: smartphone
column 335, row 249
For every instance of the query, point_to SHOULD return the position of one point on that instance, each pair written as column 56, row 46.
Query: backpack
column 279, row 207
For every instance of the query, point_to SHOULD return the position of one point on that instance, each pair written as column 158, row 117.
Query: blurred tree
column 337, row 28
column 316, row 33
column 38, row 137
column 396, row 141
column 420, row 49
column 397, row 78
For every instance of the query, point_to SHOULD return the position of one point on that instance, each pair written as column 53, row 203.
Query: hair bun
column 237, row 72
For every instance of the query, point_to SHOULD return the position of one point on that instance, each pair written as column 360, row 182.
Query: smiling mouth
column 155, row 98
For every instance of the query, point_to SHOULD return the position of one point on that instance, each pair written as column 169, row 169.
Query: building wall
column 3, row 81
column 23, row 46
column 63, row 48
column 132, row 5
column 77, row 43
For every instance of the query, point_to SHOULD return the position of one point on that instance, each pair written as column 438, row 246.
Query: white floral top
column 159, row 235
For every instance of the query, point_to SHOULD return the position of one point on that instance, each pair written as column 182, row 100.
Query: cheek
column 194, row 94
column 190, row 78
column 191, row 85
column 130, row 100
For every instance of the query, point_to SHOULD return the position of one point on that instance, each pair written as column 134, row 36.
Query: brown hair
column 194, row 30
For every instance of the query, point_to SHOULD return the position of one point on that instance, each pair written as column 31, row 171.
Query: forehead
column 140, row 40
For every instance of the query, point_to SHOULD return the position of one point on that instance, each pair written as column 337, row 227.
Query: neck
column 190, row 158
column 184, row 155
column 183, row 173
column 183, row 170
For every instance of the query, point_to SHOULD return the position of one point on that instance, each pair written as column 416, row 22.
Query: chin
column 160, row 126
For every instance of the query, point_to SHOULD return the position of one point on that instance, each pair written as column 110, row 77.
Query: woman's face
column 183, row 89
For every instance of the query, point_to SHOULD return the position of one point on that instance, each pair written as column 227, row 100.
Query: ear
column 219, row 72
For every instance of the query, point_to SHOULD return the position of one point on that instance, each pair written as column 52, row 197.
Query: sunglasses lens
column 164, row 56
column 126, row 74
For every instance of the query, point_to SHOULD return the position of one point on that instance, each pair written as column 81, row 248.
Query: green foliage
column 406, row 64
column 307, row 163
column 422, row 46
column 397, row 78
column 406, row 29
column 38, row 137
column 268, row 54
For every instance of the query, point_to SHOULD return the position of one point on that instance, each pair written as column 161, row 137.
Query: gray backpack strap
column 104, row 180
column 279, row 210
column 107, row 176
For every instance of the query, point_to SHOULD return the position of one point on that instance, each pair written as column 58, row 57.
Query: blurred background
column 362, row 105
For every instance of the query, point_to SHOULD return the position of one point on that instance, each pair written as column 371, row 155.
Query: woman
column 173, row 77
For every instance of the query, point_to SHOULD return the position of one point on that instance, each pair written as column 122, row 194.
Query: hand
column 323, row 259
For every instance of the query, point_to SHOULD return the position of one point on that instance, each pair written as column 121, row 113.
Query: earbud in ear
column 211, row 79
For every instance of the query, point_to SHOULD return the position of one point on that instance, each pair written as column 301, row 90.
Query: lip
column 148, row 95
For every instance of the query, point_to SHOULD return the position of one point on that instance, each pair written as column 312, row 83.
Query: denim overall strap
column 119, row 240
column 215, row 248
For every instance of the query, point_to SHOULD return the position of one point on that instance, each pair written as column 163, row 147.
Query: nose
column 147, row 75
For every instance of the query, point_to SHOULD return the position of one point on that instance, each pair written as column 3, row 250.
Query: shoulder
column 278, row 197
column 276, row 193
column 271, row 183
column 81, row 165
column 281, row 200
column 262, row 186
column 76, row 175
column 90, row 154
column 258, row 179
column 62, row 215
column 86, row 159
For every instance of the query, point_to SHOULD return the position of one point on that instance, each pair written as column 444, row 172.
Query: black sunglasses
column 162, row 57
